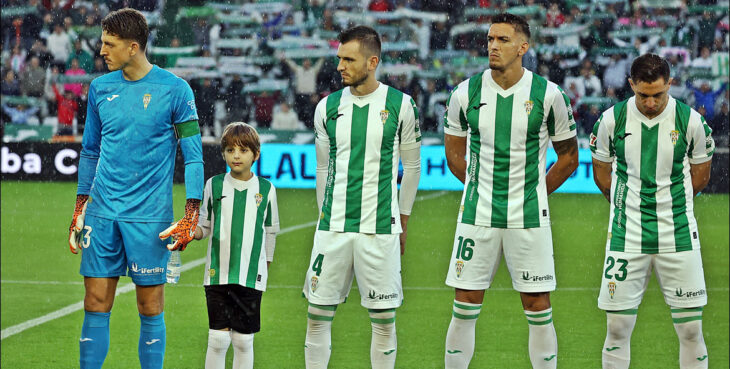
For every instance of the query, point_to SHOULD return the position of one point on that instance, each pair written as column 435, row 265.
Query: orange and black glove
column 183, row 230
column 77, row 223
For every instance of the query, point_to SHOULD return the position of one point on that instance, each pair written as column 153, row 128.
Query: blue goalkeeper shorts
column 112, row 248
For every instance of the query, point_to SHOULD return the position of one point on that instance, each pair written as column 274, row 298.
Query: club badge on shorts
column 459, row 268
column 611, row 288
column 314, row 283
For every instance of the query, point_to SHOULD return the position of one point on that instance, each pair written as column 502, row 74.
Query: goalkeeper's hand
column 183, row 231
column 77, row 223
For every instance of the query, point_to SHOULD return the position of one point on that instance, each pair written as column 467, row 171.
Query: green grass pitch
column 40, row 276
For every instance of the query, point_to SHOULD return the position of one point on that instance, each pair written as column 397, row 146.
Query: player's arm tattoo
column 567, row 151
column 602, row 177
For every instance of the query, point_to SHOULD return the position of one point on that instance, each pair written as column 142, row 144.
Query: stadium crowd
column 269, row 63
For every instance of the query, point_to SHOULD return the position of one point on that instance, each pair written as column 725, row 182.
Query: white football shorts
column 374, row 259
column 626, row 275
column 477, row 251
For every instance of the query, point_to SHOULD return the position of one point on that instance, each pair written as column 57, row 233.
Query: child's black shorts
column 234, row 306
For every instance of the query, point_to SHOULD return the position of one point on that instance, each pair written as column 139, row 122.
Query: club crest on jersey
column 258, row 198
column 459, row 268
column 384, row 115
column 612, row 288
column 674, row 135
column 211, row 272
column 146, row 100
column 528, row 106
column 314, row 283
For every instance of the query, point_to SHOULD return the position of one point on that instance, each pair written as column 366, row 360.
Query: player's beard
column 355, row 83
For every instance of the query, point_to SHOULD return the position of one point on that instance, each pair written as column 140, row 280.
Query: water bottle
column 173, row 267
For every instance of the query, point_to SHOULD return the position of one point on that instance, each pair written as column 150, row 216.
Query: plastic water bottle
column 173, row 267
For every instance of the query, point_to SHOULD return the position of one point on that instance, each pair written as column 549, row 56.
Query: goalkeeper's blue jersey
column 131, row 130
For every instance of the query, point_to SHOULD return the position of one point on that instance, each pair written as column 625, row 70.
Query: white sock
column 242, row 350
column 384, row 344
column 460, row 336
column 692, row 349
column 218, row 342
column 318, row 343
column 617, row 347
column 542, row 344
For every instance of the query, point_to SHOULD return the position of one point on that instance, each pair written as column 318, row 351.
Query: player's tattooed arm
column 602, row 177
column 700, row 174
column 456, row 155
column 567, row 151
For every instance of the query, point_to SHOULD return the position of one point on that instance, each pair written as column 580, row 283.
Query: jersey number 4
column 317, row 265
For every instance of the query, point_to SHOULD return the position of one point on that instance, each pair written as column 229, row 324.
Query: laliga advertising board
column 286, row 165
column 294, row 166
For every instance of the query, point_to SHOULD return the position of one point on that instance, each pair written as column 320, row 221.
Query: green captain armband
column 186, row 129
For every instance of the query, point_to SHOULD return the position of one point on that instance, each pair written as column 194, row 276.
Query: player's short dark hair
column 127, row 24
column 518, row 22
column 241, row 134
column 649, row 68
column 367, row 36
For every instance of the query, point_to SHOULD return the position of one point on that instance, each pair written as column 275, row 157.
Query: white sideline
column 13, row 330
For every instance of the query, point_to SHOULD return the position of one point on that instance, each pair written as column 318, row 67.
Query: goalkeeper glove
column 77, row 223
column 183, row 230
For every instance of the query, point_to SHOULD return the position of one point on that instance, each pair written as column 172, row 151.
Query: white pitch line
column 195, row 263
column 70, row 309
column 431, row 196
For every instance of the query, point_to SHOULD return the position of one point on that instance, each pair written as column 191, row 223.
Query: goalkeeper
column 137, row 114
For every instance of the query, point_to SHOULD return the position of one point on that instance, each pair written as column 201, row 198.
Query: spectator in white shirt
column 59, row 44
column 704, row 61
column 285, row 118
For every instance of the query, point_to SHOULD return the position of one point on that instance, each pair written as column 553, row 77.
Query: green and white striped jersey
column 237, row 215
column 651, row 186
column 508, row 134
column 363, row 135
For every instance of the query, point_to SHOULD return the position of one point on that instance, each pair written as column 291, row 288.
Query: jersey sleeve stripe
column 333, row 103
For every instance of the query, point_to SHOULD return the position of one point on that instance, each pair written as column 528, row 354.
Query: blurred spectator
column 554, row 17
column 201, row 33
column 305, row 85
column 439, row 36
column 32, row 25
column 83, row 103
column 264, row 107
column 235, row 100
column 33, row 79
column 86, row 62
column 616, row 73
column 99, row 66
column 720, row 122
column 285, row 118
column 589, row 119
column 706, row 30
column 19, row 114
column 705, row 97
column 39, row 51
column 59, row 44
column 75, row 70
column 67, row 108
column 704, row 60
column 587, row 83
column 17, row 60
column 206, row 94
column 10, row 84
column 380, row 6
